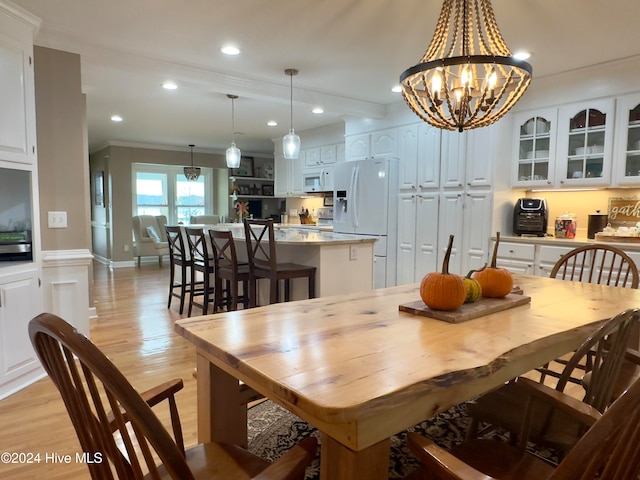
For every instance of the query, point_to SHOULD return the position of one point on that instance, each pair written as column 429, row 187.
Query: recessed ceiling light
column 169, row 85
column 230, row 50
column 522, row 55
column 318, row 110
column 116, row 118
column 272, row 123
column 396, row 89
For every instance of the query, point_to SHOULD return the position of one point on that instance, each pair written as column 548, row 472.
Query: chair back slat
column 602, row 264
column 605, row 349
column 197, row 245
column 177, row 248
column 101, row 403
column 224, row 249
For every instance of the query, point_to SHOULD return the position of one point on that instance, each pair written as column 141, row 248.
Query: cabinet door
column 20, row 301
column 282, row 178
column 451, row 216
column 585, row 143
column 428, row 156
column 384, row 143
column 408, row 155
column 478, row 208
column 357, row 147
column 426, row 219
column 626, row 146
column 479, row 157
column 312, row 157
column 407, row 226
column 17, row 120
column 534, row 148
column 328, row 154
column 452, row 159
column 296, row 175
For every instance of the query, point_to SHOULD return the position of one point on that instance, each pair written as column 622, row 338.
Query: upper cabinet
column 627, row 140
column 585, row 143
column 535, row 148
column 17, row 120
column 571, row 146
column 380, row 144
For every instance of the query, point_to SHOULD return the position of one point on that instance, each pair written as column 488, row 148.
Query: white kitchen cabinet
column 378, row 144
column 534, row 150
column 584, row 152
column 626, row 146
column 515, row 257
column 417, row 236
column 446, row 190
column 547, row 256
column 288, row 176
column 311, row 157
column 17, row 119
column 20, row 301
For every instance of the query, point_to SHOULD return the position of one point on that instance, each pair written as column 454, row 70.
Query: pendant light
column 233, row 152
column 291, row 141
column 192, row 173
column 467, row 78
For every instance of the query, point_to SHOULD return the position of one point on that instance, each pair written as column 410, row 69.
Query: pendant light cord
column 191, row 146
column 233, row 120
column 291, row 98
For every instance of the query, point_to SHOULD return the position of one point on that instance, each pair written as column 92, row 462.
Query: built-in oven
column 15, row 247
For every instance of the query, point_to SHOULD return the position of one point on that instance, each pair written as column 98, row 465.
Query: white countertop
column 300, row 237
column 567, row 242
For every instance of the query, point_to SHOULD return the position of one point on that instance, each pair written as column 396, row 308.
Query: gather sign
column 624, row 212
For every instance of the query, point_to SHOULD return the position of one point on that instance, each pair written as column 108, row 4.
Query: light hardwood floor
column 134, row 329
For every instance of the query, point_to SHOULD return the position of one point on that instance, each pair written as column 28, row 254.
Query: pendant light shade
column 467, row 78
column 233, row 152
column 192, row 173
column 291, row 141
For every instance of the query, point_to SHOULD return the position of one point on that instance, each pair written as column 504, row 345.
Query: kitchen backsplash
column 581, row 203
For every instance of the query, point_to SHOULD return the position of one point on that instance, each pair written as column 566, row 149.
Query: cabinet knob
column 510, row 251
column 562, row 181
column 548, row 182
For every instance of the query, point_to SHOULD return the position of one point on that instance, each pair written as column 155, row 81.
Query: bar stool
column 263, row 262
column 203, row 263
column 179, row 257
column 227, row 268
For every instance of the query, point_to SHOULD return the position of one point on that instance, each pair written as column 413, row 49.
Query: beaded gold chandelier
column 192, row 173
column 468, row 77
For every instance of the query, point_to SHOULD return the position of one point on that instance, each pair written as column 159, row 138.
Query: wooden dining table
column 361, row 370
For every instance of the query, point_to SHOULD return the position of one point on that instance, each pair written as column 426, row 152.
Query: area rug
column 273, row 430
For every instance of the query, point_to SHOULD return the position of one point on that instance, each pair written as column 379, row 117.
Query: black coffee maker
column 530, row 217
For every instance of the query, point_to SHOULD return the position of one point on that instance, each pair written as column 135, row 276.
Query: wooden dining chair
column 202, row 262
column 112, row 419
column 179, row 260
column 228, row 269
column 503, row 407
column 261, row 251
column 601, row 264
column 609, row 450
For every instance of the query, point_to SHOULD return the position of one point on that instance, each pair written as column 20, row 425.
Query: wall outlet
column 126, row 247
column 57, row 219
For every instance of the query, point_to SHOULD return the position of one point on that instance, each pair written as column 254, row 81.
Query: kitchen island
column 344, row 263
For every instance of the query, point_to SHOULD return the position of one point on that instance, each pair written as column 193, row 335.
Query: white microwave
column 317, row 180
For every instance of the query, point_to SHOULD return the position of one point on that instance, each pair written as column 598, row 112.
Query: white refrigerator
column 365, row 202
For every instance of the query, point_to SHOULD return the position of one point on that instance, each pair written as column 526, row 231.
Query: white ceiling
column 349, row 54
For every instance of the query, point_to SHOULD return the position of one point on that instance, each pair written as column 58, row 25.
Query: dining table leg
column 222, row 409
column 338, row 462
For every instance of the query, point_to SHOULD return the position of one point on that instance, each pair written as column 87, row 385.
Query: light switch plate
column 57, row 219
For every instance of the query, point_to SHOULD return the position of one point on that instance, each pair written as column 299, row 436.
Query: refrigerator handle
column 354, row 200
column 322, row 179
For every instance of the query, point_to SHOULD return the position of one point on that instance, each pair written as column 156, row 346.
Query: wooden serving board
column 467, row 311
column 601, row 237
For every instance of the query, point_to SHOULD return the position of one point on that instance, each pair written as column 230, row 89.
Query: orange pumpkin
column 443, row 291
column 495, row 282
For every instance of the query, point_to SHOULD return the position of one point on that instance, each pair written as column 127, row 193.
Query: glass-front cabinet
column 585, row 144
column 627, row 144
column 534, row 150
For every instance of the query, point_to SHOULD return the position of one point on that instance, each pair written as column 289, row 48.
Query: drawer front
column 515, row 251
column 550, row 255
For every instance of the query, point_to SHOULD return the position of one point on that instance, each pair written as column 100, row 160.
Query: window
column 164, row 190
